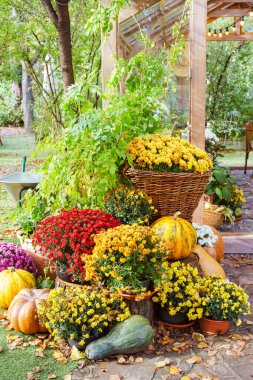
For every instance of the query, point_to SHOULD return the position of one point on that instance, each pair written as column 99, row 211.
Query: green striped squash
column 178, row 233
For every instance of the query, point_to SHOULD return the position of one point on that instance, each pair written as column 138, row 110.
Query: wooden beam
column 145, row 20
column 134, row 8
column 232, row 37
column 229, row 12
column 233, row 1
column 198, row 71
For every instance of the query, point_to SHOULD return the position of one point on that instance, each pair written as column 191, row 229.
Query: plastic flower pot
column 210, row 326
column 82, row 347
column 165, row 316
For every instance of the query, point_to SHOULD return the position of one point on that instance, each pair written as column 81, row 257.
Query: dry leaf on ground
column 139, row 360
column 162, row 363
column 174, row 370
column 198, row 337
column 52, row 376
column 194, row 360
column 76, row 354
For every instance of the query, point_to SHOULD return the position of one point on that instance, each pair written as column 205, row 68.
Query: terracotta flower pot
column 210, row 326
column 40, row 262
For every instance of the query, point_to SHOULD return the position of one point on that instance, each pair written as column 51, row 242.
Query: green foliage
column 220, row 184
column 226, row 191
column 28, row 219
column 129, row 205
column 10, row 110
column 230, row 83
column 88, row 156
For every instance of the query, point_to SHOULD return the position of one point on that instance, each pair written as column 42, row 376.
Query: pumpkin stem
column 12, row 269
column 174, row 217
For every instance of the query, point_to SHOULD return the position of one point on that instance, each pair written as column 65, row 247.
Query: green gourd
column 127, row 337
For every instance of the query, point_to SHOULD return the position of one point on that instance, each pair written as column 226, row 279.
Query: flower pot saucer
column 182, row 326
column 134, row 296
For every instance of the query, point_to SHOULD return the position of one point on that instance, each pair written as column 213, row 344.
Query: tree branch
column 51, row 12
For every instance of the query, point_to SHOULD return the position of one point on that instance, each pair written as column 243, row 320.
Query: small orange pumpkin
column 178, row 233
column 23, row 309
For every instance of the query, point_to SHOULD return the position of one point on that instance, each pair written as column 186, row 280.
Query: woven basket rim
column 181, row 174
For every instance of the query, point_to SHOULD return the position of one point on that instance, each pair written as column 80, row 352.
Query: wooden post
column 198, row 71
column 198, row 25
column 110, row 48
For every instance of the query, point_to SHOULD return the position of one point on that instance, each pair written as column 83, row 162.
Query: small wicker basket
column 213, row 216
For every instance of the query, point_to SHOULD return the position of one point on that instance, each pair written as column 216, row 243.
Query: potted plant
column 226, row 193
column 178, row 300
column 171, row 170
column 129, row 205
column 65, row 238
column 211, row 240
column 12, row 256
column 81, row 315
column 126, row 259
column 223, row 302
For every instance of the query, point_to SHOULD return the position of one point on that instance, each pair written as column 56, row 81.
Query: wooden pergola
column 156, row 18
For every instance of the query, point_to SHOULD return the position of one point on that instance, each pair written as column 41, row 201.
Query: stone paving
column 245, row 225
column 226, row 357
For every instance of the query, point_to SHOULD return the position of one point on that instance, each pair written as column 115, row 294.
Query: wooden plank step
column 239, row 244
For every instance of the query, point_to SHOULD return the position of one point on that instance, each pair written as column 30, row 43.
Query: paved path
column 245, row 182
column 227, row 357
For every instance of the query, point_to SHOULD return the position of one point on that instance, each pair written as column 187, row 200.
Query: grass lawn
column 235, row 158
column 16, row 363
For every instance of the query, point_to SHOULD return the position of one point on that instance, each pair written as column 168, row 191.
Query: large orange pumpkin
column 23, row 310
column 11, row 282
column 208, row 264
column 178, row 233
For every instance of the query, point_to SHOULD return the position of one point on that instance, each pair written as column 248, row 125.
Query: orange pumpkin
column 219, row 245
column 11, row 282
column 178, row 233
column 217, row 251
column 208, row 264
column 23, row 309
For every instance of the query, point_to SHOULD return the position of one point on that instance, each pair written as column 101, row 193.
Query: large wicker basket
column 171, row 192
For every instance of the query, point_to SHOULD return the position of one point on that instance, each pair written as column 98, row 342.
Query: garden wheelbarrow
column 18, row 183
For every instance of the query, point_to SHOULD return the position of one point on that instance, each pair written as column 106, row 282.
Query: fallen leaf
column 202, row 345
column 36, row 369
column 194, row 360
column 76, row 354
column 121, row 360
column 116, row 377
column 162, row 363
column 40, row 354
column 51, row 376
column 212, row 353
column 1, row 349
column 11, row 337
column 67, row 377
column 139, row 360
column 62, row 360
column 174, row 370
column 198, row 337
column 30, row 376
column 35, row 342
column 185, row 377
column 211, row 361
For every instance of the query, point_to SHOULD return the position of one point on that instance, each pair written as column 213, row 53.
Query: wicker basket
column 170, row 192
column 212, row 218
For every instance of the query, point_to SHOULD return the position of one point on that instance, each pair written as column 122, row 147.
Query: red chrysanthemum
column 64, row 238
